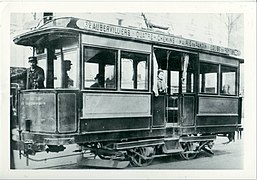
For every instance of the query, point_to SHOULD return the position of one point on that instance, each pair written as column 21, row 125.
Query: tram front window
column 65, row 75
column 99, row 68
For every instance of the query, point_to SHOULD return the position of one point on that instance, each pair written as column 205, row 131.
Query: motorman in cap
column 34, row 75
column 68, row 82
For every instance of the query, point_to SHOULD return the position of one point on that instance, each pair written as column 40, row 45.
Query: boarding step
column 103, row 163
column 171, row 145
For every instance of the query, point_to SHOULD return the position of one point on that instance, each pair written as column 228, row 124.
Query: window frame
column 218, row 77
column 84, row 46
column 194, row 75
column 236, row 79
column 148, row 70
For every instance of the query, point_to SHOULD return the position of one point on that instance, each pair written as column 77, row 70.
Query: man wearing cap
column 34, row 75
column 68, row 82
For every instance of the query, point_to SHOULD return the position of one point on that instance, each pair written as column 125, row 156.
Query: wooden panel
column 99, row 105
column 216, row 120
column 188, row 110
column 218, row 59
column 121, row 44
column 40, row 109
column 118, row 124
column 216, row 105
column 172, row 109
column 67, row 112
column 159, row 110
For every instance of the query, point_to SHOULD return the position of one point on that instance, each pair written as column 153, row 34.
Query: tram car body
column 125, row 119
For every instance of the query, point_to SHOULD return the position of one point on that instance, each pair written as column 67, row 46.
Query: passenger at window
column 110, row 83
column 68, row 82
column 161, row 84
column 98, row 82
column 34, row 75
column 225, row 89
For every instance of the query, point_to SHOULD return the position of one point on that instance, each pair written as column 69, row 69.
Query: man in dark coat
column 34, row 75
column 68, row 82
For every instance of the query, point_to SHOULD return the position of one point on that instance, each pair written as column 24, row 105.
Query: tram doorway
column 179, row 99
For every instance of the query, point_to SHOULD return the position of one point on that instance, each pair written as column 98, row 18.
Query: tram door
column 179, row 75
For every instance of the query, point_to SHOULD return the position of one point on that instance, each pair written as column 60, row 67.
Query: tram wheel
column 188, row 152
column 138, row 154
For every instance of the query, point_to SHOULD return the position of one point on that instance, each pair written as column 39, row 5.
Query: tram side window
column 99, row 68
column 208, row 78
column 134, row 71
column 228, row 80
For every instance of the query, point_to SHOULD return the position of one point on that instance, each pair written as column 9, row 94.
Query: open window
column 100, row 68
column 65, row 69
column 134, row 71
column 59, row 59
column 179, row 70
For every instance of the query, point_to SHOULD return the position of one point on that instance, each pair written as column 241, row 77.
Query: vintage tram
column 125, row 120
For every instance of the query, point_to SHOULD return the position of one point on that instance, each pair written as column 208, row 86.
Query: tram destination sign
column 151, row 36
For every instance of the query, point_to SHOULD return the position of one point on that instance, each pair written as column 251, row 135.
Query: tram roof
column 70, row 27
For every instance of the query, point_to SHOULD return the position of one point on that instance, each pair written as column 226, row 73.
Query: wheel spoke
column 185, row 154
column 139, row 154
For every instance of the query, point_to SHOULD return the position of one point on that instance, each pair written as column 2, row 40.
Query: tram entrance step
column 171, row 145
column 103, row 163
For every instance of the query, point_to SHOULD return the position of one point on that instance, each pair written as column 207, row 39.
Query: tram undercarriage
column 142, row 152
column 120, row 154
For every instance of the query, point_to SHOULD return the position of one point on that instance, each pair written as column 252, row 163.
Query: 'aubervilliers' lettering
column 151, row 36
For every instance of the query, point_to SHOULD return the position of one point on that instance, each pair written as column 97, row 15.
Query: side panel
column 159, row 111
column 114, row 124
column 67, row 112
column 188, row 110
column 216, row 120
column 38, row 111
column 215, row 105
column 100, row 105
column 216, row 111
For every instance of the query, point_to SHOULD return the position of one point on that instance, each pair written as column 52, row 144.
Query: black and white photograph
column 118, row 90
